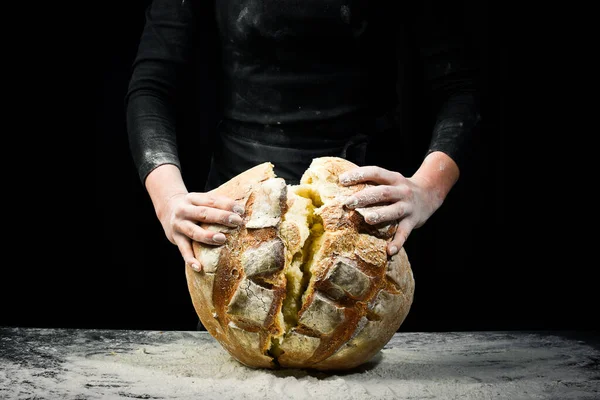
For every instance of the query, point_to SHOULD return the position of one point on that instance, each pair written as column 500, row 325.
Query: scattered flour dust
column 412, row 365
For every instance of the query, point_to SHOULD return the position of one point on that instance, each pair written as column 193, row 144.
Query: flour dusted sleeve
column 163, row 52
column 446, row 36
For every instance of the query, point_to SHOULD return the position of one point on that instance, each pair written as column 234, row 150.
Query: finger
column 185, row 248
column 198, row 234
column 379, row 214
column 210, row 215
column 373, row 195
column 404, row 229
column 213, row 200
column 369, row 174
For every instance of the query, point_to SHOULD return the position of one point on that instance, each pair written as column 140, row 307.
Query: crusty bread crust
column 304, row 282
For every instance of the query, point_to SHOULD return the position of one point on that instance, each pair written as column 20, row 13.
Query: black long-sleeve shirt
column 286, row 61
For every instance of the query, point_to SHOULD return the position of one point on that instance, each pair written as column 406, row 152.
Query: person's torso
column 289, row 61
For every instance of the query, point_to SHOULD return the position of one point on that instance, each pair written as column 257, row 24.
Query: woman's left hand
column 410, row 201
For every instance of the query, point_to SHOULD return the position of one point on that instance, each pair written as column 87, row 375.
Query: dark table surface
column 106, row 364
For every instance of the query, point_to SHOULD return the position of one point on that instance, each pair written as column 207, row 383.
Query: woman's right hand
column 182, row 214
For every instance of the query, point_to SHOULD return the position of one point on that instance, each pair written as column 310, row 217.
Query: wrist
column 164, row 184
column 437, row 174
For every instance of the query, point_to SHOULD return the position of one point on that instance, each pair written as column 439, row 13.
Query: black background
column 469, row 274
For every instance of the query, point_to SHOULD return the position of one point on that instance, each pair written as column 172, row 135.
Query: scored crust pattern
column 304, row 282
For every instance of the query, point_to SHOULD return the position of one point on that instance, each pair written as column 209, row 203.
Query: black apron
column 290, row 149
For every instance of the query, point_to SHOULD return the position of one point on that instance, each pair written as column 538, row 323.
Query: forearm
column 163, row 183
column 159, row 72
column 452, row 74
column 438, row 173
column 151, row 131
column 454, row 125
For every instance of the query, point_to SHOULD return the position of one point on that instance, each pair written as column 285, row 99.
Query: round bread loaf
column 304, row 282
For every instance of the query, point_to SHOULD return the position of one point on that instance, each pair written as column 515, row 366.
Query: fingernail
column 393, row 250
column 238, row 209
column 343, row 179
column 195, row 267
column 351, row 202
column 219, row 238
column 235, row 219
column 372, row 217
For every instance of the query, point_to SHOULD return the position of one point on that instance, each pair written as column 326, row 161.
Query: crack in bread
column 304, row 282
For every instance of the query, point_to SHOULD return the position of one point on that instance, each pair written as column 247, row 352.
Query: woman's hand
column 182, row 213
column 410, row 201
